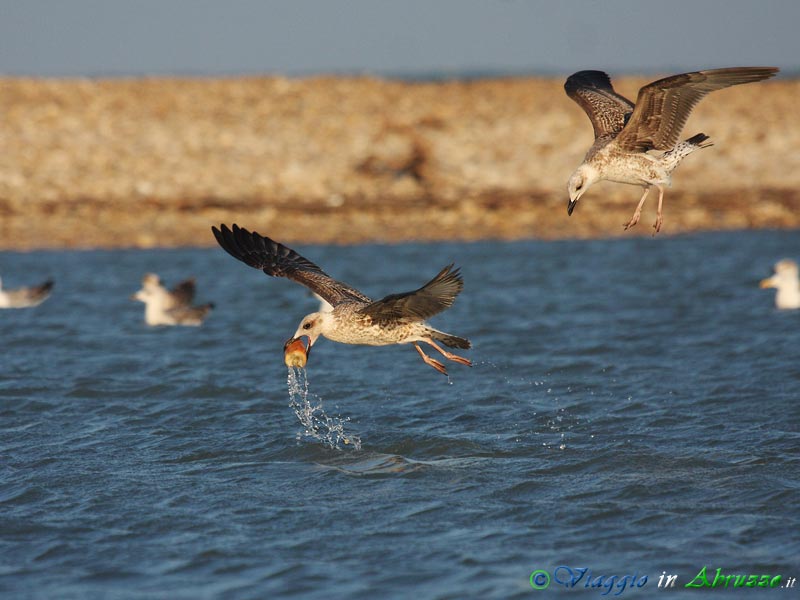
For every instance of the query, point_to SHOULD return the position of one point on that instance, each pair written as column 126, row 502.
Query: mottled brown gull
column 355, row 318
column 638, row 144
column 25, row 297
column 170, row 307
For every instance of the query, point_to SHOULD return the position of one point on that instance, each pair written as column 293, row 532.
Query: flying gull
column 787, row 281
column 170, row 307
column 355, row 318
column 25, row 297
column 638, row 144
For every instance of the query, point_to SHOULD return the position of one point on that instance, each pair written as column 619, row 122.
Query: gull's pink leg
column 638, row 212
column 659, row 220
column 431, row 361
column 449, row 355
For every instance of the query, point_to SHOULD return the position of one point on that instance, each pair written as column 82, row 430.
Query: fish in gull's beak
column 295, row 353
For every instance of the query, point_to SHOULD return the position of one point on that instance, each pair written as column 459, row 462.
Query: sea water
column 632, row 410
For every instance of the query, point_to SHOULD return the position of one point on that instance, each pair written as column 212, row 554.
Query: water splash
column 316, row 424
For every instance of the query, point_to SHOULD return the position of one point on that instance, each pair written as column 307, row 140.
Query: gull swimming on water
column 638, row 144
column 25, row 297
column 170, row 307
column 787, row 281
column 355, row 318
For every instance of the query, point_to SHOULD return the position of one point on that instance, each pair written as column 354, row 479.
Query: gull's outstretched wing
column 432, row 298
column 279, row 261
column 606, row 109
column 183, row 293
column 190, row 315
column 663, row 106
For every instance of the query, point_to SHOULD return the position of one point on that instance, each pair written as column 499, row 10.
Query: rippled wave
column 633, row 406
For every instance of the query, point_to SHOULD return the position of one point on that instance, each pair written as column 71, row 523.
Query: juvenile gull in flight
column 355, row 318
column 787, row 281
column 170, row 307
column 638, row 144
column 25, row 297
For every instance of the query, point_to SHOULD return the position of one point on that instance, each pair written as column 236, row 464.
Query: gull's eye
column 306, row 325
column 579, row 186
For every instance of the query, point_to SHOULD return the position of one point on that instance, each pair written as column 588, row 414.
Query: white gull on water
column 170, row 307
column 787, row 282
column 638, row 144
column 25, row 297
column 355, row 318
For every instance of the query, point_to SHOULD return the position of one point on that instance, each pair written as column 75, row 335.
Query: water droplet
column 316, row 423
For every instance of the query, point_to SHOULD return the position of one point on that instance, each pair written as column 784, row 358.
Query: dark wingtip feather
column 449, row 275
column 450, row 272
column 591, row 79
column 232, row 240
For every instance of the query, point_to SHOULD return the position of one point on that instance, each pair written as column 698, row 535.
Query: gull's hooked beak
column 295, row 353
column 571, row 206
column 766, row 283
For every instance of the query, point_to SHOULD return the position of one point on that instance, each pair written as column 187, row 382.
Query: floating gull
column 355, row 318
column 638, row 144
column 165, row 307
column 787, row 281
column 25, row 297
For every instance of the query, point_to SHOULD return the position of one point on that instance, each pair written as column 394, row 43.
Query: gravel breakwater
column 154, row 162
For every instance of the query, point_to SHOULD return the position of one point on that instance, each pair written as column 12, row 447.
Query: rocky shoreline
column 155, row 162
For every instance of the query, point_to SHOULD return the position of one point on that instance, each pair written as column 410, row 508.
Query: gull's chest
column 632, row 168
column 356, row 328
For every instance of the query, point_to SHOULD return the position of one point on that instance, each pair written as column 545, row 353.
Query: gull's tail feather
column 452, row 341
column 697, row 140
column 674, row 157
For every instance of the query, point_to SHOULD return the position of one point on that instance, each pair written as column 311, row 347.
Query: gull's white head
column 156, row 300
column 787, row 268
column 580, row 181
column 149, row 295
column 153, row 294
column 151, row 291
column 787, row 281
column 313, row 325
column 151, row 280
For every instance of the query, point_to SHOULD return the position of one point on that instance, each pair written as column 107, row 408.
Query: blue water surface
column 632, row 408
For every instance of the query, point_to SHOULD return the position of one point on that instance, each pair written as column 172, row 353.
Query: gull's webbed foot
column 431, row 361
column 458, row 359
column 657, row 224
column 634, row 220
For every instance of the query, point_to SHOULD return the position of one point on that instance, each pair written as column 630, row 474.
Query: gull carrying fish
column 355, row 318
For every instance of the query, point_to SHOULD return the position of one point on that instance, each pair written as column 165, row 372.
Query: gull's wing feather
column 279, row 261
column 29, row 296
column 606, row 109
column 432, row 298
column 183, row 293
column 663, row 106
column 187, row 314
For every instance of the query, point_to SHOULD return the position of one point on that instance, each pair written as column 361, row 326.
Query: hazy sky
column 396, row 37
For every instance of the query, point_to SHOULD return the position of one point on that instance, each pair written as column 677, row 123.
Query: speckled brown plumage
column 355, row 318
column 638, row 144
